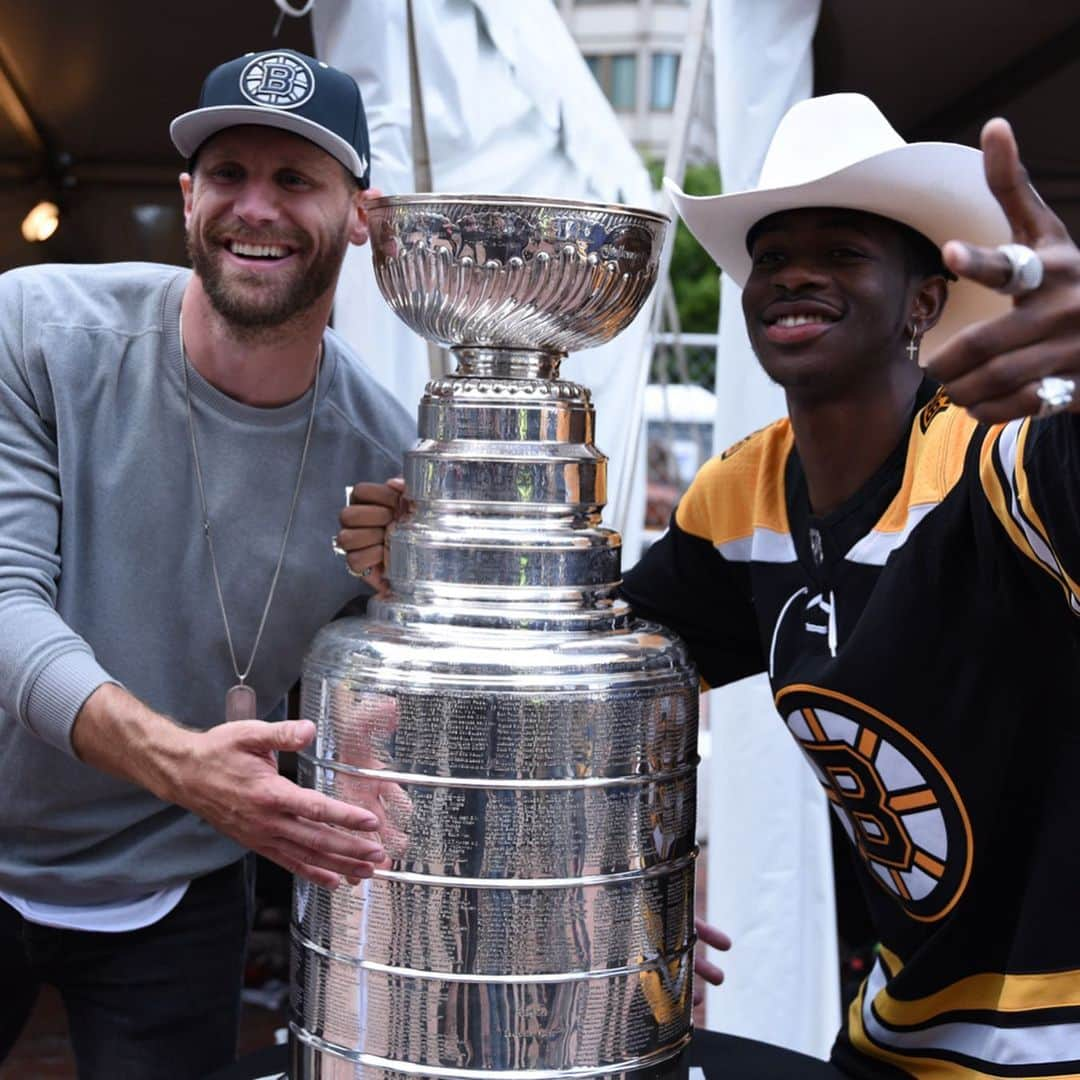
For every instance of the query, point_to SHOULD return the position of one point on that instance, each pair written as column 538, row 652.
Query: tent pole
column 421, row 149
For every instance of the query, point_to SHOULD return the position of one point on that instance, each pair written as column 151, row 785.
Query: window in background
column 665, row 74
column 623, row 93
column 617, row 75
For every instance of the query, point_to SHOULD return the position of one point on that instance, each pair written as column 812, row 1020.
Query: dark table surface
column 720, row 1057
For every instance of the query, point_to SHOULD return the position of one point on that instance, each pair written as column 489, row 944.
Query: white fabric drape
column 510, row 108
column 770, row 879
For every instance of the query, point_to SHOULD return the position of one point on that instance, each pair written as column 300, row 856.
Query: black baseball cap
column 282, row 89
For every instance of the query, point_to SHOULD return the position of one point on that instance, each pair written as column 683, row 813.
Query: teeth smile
column 800, row 320
column 258, row 251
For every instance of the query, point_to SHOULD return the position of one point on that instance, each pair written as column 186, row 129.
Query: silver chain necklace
column 240, row 701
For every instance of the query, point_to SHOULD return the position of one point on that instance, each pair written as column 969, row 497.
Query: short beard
column 252, row 316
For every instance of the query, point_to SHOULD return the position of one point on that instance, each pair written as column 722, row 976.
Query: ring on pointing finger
column 1025, row 269
column 1055, row 393
column 359, row 573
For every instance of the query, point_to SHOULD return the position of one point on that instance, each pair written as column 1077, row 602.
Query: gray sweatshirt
column 104, row 570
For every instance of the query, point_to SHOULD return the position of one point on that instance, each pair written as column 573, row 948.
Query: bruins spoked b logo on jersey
column 278, row 80
column 896, row 803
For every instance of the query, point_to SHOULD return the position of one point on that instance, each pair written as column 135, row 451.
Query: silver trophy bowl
column 508, row 272
column 529, row 746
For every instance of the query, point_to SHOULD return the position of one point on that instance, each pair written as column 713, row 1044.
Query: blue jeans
column 159, row 1003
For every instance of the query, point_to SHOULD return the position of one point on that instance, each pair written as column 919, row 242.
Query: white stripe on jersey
column 876, row 546
column 765, row 545
column 988, row 1044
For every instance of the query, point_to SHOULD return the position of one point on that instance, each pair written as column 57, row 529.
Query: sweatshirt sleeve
column 46, row 670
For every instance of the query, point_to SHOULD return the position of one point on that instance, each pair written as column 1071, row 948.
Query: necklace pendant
column 239, row 703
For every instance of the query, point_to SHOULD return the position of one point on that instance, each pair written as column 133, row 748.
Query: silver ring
column 337, row 548
column 1025, row 269
column 1055, row 393
column 366, row 572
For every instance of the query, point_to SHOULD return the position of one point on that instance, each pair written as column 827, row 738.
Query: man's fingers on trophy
column 366, row 564
column 404, row 503
column 336, row 865
column 361, row 538
column 363, row 494
column 313, row 806
column 711, row 935
column 335, row 845
column 298, row 868
column 368, row 516
column 310, row 865
column 708, row 972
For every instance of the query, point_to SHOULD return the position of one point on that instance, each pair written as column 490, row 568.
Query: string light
column 41, row 222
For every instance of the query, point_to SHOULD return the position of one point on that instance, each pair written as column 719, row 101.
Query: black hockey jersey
column 923, row 645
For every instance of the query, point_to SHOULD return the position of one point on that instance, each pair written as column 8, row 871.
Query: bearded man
column 173, row 445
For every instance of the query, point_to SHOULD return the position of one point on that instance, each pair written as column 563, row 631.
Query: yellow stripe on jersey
column 990, row 991
column 1012, row 504
column 890, row 1030
column 934, row 464
column 741, row 490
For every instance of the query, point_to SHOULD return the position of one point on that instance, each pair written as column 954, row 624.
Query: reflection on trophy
column 529, row 747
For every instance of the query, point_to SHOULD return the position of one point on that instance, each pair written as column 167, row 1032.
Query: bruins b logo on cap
column 279, row 80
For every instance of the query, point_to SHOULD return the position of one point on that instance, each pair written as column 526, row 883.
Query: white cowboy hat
column 840, row 151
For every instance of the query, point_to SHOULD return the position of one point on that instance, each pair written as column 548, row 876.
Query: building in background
column 633, row 48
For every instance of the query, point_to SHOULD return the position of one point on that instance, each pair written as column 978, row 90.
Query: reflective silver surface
column 520, row 273
column 529, row 747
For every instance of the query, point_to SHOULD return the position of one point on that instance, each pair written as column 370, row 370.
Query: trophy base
column 310, row 1059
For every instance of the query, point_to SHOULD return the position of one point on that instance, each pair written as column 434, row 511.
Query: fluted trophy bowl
column 513, row 272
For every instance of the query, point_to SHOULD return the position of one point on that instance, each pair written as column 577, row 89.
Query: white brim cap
column 191, row 129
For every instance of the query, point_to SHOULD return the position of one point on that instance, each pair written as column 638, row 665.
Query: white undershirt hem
column 115, row 917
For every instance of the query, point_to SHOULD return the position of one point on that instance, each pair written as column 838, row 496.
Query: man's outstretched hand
column 993, row 368
column 228, row 776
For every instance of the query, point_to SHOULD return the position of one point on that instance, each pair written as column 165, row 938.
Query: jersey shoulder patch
column 740, row 491
column 938, row 444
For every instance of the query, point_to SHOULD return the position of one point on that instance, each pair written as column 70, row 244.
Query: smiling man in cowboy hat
column 901, row 555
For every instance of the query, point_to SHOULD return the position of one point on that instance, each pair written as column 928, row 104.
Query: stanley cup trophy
column 529, row 747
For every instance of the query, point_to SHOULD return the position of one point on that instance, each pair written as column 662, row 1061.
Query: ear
column 359, row 230
column 186, row 188
column 928, row 303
